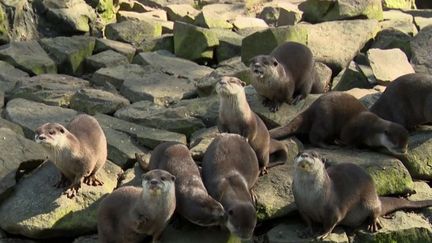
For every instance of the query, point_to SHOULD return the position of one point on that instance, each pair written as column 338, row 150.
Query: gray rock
column 132, row 32
column 204, row 42
column 215, row 16
column 105, row 59
column 279, row 13
column 9, row 76
column 124, row 48
column 117, row 75
column 172, row 65
column 87, row 239
column 387, row 65
column 134, row 6
column 423, row 192
column 235, row 67
column 151, row 17
column 388, row 173
column 206, row 85
column 324, row 75
column 181, row 12
column 421, row 57
column 28, row 56
column 19, row 21
column 422, row 17
column 366, row 96
column 39, row 210
column 351, row 77
column 12, row 126
column 347, row 38
column 419, row 154
column 229, row 44
column 192, row 233
column 397, row 20
column 391, row 38
column 288, row 233
column 399, row 4
column 132, row 176
column 145, row 136
column 2, row 97
column 248, row 22
column 163, row 3
column 30, row 115
column 157, row 87
column 50, row 89
column 163, row 42
column 69, row 53
column 403, row 227
column 200, row 140
column 92, row 101
column 206, row 109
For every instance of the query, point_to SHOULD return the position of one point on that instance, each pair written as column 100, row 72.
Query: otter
column 338, row 117
column 341, row 194
column 287, row 74
column 129, row 214
column 235, row 116
column 229, row 170
column 78, row 151
column 407, row 101
column 193, row 201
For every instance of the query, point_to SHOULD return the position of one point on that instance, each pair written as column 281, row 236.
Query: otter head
column 309, row 162
column 241, row 220
column 51, row 135
column 157, row 182
column 229, row 86
column 394, row 138
column 264, row 67
column 207, row 212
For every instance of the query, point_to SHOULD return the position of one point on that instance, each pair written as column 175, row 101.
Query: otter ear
column 243, row 83
column 275, row 62
column 173, row 178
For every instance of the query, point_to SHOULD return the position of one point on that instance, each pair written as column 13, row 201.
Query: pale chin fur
column 384, row 141
column 230, row 226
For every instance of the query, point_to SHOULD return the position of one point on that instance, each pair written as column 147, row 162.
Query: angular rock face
column 422, row 59
column 9, row 75
column 104, row 59
column 181, row 12
column 120, row 47
column 420, row 154
column 92, row 101
column 37, row 209
column 133, row 32
column 117, row 75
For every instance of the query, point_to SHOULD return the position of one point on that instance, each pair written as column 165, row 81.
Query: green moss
column 392, row 180
column 374, row 11
column 402, row 4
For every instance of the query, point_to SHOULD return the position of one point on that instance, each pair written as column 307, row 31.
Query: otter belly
column 356, row 216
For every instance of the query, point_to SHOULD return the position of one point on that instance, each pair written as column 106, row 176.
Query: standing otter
column 229, row 170
column 235, row 116
column 129, row 214
column 287, row 74
column 407, row 101
column 193, row 201
column 78, row 151
column 341, row 194
column 340, row 116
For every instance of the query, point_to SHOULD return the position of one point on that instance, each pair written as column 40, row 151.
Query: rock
column 328, row 10
column 105, row 10
column 92, row 101
column 12, row 126
column 9, row 76
column 181, row 12
column 366, row 96
column 157, row 87
column 263, row 42
column 422, row 17
column 172, row 65
column 403, row 227
column 288, row 233
column 400, row 4
column 148, row 114
column 346, row 38
column 28, row 56
column 421, row 57
column 122, row 148
column 87, row 239
column 105, row 59
column 422, row 192
column 389, row 174
column 164, row 42
column 2, row 97
column 163, row 3
column 117, row 75
column 206, row 85
column 47, row 212
column 133, row 32
column 229, row 44
column 215, row 16
column 156, row 18
column 324, row 75
column 279, row 13
column 387, row 65
column 352, row 77
column 391, row 38
column 120, row 47
column 235, row 67
column 419, row 154
column 145, row 136
column 69, row 53
column 50, row 89
column 249, row 31
column 132, row 176
column 200, row 140
column 206, row 109
column 204, row 42
column 394, row 19
column 69, row 16
column 19, row 21
column 30, row 115
column 248, row 22
column 273, row 191
column 134, row 6
column 192, row 233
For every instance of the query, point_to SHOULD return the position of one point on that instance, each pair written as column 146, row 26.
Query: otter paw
column 92, row 181
column 274, row 107
column 374, row 226
column 263, row 171
column 72, row 191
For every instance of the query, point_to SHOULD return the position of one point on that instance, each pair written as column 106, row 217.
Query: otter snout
column 40, row 137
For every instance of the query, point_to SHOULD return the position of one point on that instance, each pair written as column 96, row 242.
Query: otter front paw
column 92, row 181
column 72, row 191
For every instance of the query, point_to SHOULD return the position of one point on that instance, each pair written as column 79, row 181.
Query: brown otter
column 340, row 117
column 287, row 74
column 341, row 194
column 193, row 201
column 229, row 170
column 129, row 214
column 78, row 151
column 235, row 116
column 407, row 101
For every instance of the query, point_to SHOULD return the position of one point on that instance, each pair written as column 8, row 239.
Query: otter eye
column 230, row 212
column 275, row 63
column 62, row 130
column 163, row 178
column 173, row 178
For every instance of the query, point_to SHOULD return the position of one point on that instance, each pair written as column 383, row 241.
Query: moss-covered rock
column 181, row 12
column 133, row 32
column 120, row 47
column 229, row 44
column 9, row 76
column 4, row 26
column 104, row 59
column 352, row 77
column 421, row 57
column 117, row 75
column 400, row 4
column 419, row 157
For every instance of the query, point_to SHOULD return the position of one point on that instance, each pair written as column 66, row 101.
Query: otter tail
column 292, row 127
column 391, row 204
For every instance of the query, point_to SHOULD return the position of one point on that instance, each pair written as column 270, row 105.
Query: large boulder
column 104, row 59
column 391, row 38
column 117, row 75
column 401, row 4
column 219, row 15
column 279, row 13
column 397, row 20
column 133, row 32
column 420, row 154
column 229, row 44
column 421, row 57
column 37, row 209
column 181, row 12
column 92, row 101
column 124, row 48
column 9, row 76
column 19, row 21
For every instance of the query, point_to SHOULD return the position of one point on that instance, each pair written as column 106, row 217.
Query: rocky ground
column 146, row 70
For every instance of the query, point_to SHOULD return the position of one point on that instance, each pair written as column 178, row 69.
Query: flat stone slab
column 30, row 115
column 69, row 53
column 117, row 75
column 398, row 20
column 145, row 136
column 28, row 56
column 104, row 59
column 181, row 12
column 50, row 89
column 124, row 48
column 9, row 76
column 37, row 209
column 158, row 87
column 133, row 32
column 92, row 101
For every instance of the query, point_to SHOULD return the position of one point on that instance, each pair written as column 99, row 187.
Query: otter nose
column 222, row 81
column 154, row 182
column 41, row 137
